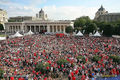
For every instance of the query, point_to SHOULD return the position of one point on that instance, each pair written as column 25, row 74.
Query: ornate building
column 103, row 16
column 41, row 15
column 21, row 18
column 40, row 24
column 3, row 16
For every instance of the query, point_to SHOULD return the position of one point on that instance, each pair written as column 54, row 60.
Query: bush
column 1, row 73
column 42, row 67
column 96, row 58
column 1, row 27
column 62, row 61
column 69, row 29
column 82, row 58
column 115, row 58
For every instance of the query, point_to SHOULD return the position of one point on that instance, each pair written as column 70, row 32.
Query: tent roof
column 17, row 34
column 29, row 33
column 79, row 34
column 97, row 34
column 2, row 38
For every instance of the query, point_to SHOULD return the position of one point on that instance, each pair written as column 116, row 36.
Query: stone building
column 21, row 18
column 41, row 15
column 103, row 16
column 3, row 16
column 39, row 25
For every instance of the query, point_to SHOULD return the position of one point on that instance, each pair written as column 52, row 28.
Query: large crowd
column 20, row 56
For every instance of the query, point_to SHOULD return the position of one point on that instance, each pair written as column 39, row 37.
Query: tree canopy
column 82, row 21
column 108, row 28
column 1, row 27
column 69, row 29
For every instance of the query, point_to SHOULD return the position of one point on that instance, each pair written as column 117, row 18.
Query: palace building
column 39, row 24
column 3, row 16
column 103, row 16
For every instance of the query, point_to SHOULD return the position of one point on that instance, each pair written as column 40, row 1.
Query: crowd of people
column 19, row 57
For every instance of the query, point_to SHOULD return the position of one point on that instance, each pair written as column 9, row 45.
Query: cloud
column 70, row 12
column 57, row 13
column 54, row 12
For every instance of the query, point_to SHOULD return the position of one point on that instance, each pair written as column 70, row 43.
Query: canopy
column 79, row 34
column 97, row 34
column 2, row 38
column 29, row 33
column 17, row 34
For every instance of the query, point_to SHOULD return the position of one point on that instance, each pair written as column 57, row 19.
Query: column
column 34, row 29
column 11, row 29
column 53, row 29
column 56, row 28
column 39, row 28
column 30, row 28
column 63, row 29
column 15, row 29
column 48, row 28
column 60, row 28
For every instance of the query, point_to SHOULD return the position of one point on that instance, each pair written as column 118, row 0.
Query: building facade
column 40, row 16
column 40, row 24
column 103, row 16
column 21, row 18
column 3, row 16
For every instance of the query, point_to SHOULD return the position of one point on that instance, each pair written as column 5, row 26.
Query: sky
column 58, row 9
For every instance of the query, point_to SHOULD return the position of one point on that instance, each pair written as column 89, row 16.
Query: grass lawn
column 2, row 35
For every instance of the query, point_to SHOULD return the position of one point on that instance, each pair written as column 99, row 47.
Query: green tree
column 69, row 29
column 82, row 21
column 62, row 61
column 108, row 30
column 42, row 68
column 1, row 27
column 100, row 25
column 115, row 58
column 1, row 73
column 90, row 28
column 117, row 29
column 96, row 58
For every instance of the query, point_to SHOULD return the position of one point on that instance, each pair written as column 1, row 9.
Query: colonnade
column 37, row 28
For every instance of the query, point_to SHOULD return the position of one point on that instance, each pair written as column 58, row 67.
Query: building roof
column 41, row 11
column 111, row 14
column 101, row 8
column 1, row 9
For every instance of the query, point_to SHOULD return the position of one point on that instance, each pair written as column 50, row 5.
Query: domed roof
column 1, row 10
column 101, row 8
column 41, row 11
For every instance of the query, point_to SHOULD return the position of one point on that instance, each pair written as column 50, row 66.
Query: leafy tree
column 82, row 58
column 100, row 25
column 90, row 28
column 115, row 58
column 42, row 68
column 69, row 29
column 117, row 29
column 1, row 27
column 1, row 73
column 62, row 61
column 96, row 58
column 108, row 30
column 82, row 21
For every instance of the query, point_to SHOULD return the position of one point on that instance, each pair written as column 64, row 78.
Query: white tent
column 17, row 34
column 79, row 34
column 97, row 34
column 29, row 33
column 2, row 38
